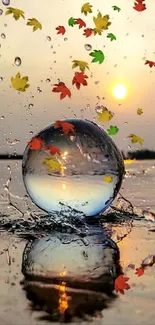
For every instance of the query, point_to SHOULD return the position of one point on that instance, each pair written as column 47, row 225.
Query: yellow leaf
column 105, row 115
column 35, row 23
column 81, row 64
column 135, row 139
column 20, row 84
column 17, row 13
column 101, row 23
column 139, row 111
column 53, row 164
column 108, row 178
column 86, row 8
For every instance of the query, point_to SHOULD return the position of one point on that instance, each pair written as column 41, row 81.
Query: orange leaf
column 61, row 88
column 80, row 22
column 121, row 285
column 35, row 143
column 61, row 30
column 150, row 63
column 139, row 271
column 139, row 5
column 53, row 150
column 66, row 127
column 79, row 79
column 87, row 32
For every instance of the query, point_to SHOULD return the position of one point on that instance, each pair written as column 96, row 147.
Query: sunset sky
column 43, row 59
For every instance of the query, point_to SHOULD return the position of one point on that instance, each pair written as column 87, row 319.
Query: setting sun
column 119, row 91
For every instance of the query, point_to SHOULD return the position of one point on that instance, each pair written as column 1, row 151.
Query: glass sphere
column 72, row 163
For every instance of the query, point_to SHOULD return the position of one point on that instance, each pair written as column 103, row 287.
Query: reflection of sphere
column 84, row 171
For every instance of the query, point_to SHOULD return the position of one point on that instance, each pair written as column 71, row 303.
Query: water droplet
column 31, row 132
column 48, row 38
column 1, row 79
column 48, row 80
column 17, row 61
column 1, row 12
column 3, row 36
column 30, row 106
column 88, row 47
column 65, row 39
column 39, row 90
column 2, row 117
column 6, row 2
column 5, row 25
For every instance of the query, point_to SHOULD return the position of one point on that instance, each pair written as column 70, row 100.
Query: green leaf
column 98, row 56
column 112, row 130
column 116, row 8
column 111, row 36
column 72, row 21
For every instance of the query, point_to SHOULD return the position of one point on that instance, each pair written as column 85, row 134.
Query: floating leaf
column 79, row 79
column 17, row 13
column 108, row 179
column 66, row 127
column 105, row 116
column 61, row 30
column 20, row 84
column 35, row 143
column 111, row 36
column 101, row 23
column 53, row 150
column 116, row 8
column 81, row 64
column 53, row 164
column 121, row 285
column 139, row 111
column 98, row 56
column 135, row 139
column 72, row 21
column 35, row 23
column 112, row 130
column 139, row 271
column 61, row 88
column 86, row 8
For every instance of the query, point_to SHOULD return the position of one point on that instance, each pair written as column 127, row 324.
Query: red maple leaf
column 139, row 271
column 80, row 22
column 61, row 88
column 35, row 143
column 87, row 32
column 79, row 79
column 150, row 63
column 121, row 285
column 66, row 127
column 139, row 5
column 53, row 150
column 61, row 30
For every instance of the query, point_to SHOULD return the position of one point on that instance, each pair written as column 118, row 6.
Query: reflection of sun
column 119, row 91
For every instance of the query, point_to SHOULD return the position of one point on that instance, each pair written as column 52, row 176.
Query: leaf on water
column 121, row 285
column 35, row 23
column 81, row 64
column 108, row 179
column 86, row 8
column 17, row 13
column 53, row 164
column 66, row 127
column 53, row 150
column 20, row 84
column 139, row 271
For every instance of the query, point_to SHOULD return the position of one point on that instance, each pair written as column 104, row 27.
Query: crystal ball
column 73, row 164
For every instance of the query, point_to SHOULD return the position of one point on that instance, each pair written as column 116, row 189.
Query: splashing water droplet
column 1, row 79
column 1, row 12
column 73, row 177
column 3, row 35
column 88, row 47
column 48, row 38
column 17, row 61
column 6, row 2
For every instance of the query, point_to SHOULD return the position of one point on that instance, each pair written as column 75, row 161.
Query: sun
column 119, row 91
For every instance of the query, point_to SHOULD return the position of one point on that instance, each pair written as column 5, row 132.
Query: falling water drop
column 2, row 117
column 30, row 106
column 3, row 35
column 48, row 38
column 88, row 47
column 6, row 2
column 48, row 80
column 1, row 79
column 17, row 61
column 1, row 12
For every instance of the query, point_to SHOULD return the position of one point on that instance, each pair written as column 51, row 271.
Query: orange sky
column 42, row 59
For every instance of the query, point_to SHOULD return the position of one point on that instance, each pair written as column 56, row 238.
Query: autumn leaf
column 98, row 56
column 139, row 271
column 17, row 13
column 72, row 21
column 86, row 8
column 53, row 164
column 116, row 8
column 139, row 111
column 53, row 150
column 112, row 130
column 35, row 143
column 111, row 36
column 105, row 115
column 80, row 22
column 79, row 79
column 135, row 139
column 61, row 88
column 81, row 64
column 101, row 23
column 150, row 63
column 139, row 5
column 121, row 285
column 35, row 23
column 87, row 32
column 66, row 127
column 108, row 179
column 61, row 30
column 20, row 84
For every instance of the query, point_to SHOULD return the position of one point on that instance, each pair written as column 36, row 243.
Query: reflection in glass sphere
column 72, row 163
